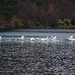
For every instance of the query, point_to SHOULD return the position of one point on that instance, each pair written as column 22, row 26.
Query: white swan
column 32, row 39
column 9, row 39
column 44, row 39
column 0, row 38
column 53, row 38
column 71, row 38
column 22, row 38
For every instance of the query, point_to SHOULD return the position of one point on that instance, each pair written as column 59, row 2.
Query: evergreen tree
column 6, row 8
column 54, row 22
column 73, row 20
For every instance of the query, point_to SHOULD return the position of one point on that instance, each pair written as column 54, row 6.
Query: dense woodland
column 37, row 14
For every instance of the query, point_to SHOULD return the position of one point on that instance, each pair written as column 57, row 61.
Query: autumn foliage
column 39, row 12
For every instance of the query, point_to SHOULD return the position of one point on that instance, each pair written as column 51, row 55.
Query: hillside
column 37, row 14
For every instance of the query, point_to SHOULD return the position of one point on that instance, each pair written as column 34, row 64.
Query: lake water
column 38, row 53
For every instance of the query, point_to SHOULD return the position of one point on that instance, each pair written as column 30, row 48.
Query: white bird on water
column 32, row 39
column 22, row 38
column 71, row 38
column 0, row 38
column 44, row 39
column 53, row 38
column 9, row 39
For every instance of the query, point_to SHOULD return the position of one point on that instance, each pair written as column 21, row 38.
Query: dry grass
column 63, row 25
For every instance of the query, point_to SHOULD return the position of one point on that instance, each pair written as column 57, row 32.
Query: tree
column 62, row 18
column 54, row 22
column 60, row 1
column 6, row 8
column 73, row 20
column 52, row 9
column 67, row 23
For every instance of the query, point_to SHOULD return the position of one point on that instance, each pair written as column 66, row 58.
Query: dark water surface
column 37, row 57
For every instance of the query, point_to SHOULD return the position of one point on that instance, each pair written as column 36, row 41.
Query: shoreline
column 44, row 30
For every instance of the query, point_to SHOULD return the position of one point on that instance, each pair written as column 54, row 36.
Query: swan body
column 0, row 38
column 44, row 39
column 22, row 37
column 53, row 38
column 32, row 39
